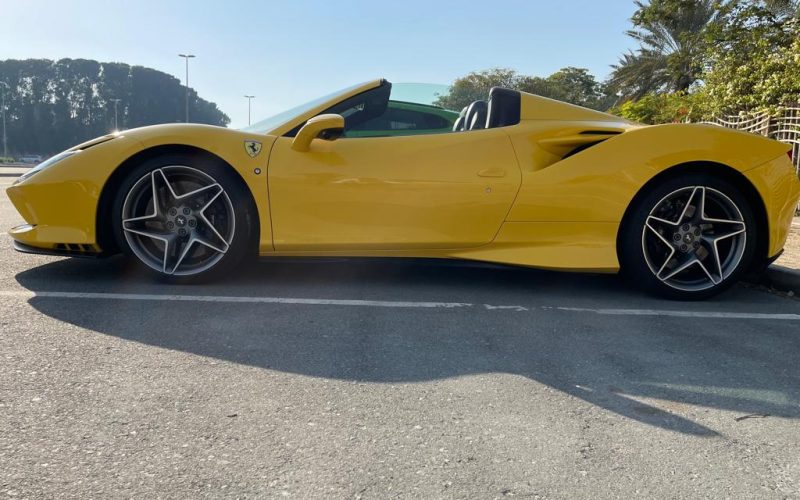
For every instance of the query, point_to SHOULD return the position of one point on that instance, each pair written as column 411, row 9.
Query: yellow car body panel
column 777, row 178
column 393, row 193
column 599, row 183
column 517, row 194
column 231, row 147
column 562, row 246
column 60, row 203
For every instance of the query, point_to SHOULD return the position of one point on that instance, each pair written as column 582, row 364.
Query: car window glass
column 394, row 110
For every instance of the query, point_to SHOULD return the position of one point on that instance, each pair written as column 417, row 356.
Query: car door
column 449, row 190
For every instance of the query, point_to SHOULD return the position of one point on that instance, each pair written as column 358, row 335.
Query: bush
column 665, row 108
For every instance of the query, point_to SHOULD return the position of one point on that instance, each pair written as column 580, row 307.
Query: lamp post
column 4, row 86
column 187, row 57
column 116, row 123
column 249, row 99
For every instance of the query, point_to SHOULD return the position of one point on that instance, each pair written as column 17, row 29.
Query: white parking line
column 390, row 303
column 228, row 299
column 683, row 314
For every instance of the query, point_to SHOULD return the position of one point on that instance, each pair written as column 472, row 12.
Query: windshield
column 421, row 93
column 274, row 121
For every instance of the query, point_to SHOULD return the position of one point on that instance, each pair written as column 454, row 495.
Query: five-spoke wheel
column 689, row 237
column 179, row 220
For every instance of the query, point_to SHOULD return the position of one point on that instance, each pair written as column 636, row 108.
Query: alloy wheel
column 178, row 220
column 694, row 238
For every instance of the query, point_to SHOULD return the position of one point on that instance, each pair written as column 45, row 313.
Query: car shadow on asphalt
column 660, row 371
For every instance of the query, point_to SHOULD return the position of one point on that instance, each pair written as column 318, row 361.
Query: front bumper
column 55, row 212
column 59, row 210
column 60, row 250
column 59, row 203
column 47, row 240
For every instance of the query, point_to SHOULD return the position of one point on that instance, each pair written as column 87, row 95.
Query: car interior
column 501, row 110
column 367, row 110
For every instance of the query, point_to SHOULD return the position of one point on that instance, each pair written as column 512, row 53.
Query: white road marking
column 490, row 307
column 683, row 314
column 23, row 294
column 229, row 299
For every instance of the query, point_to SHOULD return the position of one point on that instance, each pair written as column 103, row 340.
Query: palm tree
column 670, row 54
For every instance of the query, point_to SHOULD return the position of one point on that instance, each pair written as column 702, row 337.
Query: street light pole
column 249, row 98
column 116, row 123
column 4, row 86
column 187, row 57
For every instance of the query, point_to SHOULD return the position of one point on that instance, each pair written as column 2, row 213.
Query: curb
column 782, row 278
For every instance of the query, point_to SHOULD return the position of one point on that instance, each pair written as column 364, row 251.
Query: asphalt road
column 380, row 379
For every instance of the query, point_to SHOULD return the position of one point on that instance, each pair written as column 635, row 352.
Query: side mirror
column 327, row 127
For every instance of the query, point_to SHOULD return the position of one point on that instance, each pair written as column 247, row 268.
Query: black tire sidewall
column 244, row 212
column 632, row 260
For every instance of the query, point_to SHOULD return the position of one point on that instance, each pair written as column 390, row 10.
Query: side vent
column 570, row 145
column 582, row 147
column 601, row 132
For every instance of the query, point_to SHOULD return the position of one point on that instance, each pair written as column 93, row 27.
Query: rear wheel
column 183, row 217
column 689, row 237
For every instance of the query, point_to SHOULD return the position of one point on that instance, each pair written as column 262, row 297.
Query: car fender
column 599, row 183
column 231, row 146
column 78, row 180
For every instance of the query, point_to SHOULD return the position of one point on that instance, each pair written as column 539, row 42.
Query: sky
column 288, row 52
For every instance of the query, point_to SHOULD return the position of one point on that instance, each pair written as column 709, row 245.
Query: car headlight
column 46, row 164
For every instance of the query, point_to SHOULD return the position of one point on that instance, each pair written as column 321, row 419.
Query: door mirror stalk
column 326, row 127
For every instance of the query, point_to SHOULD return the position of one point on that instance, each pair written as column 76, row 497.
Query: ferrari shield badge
column 252, row 148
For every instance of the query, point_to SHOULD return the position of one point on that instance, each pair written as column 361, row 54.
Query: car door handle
column 492, row 172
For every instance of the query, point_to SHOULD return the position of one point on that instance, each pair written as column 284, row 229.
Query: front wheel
column 183, row 218
column 689, row 237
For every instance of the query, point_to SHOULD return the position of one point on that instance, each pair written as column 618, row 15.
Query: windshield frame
column 310, row 109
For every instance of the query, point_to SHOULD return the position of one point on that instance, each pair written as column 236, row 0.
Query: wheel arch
column 103, row 225
column 723, row 171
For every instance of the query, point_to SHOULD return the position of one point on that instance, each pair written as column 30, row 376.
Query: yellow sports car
column 373, row 171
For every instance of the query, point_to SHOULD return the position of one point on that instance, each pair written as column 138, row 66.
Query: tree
column 787, row 8
column 578, row 86
column 475, row 86
column 671, row 49
column 750, row 61
column 52, row 105
column 573, row 85
column 754, row 56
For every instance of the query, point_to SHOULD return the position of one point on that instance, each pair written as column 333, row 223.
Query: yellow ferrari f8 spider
column 374, row 170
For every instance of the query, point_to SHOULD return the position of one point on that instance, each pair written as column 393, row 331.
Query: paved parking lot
column 375, row 379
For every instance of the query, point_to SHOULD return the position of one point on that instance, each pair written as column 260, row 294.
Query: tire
column 672, row 249
column 204, row 224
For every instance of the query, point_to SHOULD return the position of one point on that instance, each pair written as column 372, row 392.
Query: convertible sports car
column 685, row 210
